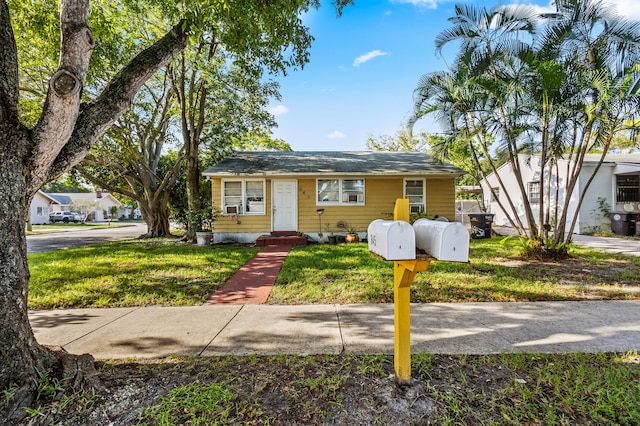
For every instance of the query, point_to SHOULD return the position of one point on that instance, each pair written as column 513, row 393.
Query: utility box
column 442, row 240
column 392, row 239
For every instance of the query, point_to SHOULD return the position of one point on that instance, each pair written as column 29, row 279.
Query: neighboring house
column 41, row 205
column 316, row 192
column 616, row 185
column 94, row 204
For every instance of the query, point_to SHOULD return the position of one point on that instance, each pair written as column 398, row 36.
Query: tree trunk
column 193, row 99
column 193, row 186
column 156, row 216
column 31, row 157
column 22, row 356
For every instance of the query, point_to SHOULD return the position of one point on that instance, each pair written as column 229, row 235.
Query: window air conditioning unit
column 415, row 208
column 232, row 209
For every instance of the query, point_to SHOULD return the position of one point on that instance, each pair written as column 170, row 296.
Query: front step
column 284, row 233
column 279, row 239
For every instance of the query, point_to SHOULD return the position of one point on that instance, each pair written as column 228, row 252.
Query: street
column 67, row 239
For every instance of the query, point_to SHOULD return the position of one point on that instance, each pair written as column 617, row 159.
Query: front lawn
column 167, row 272
column 347, row 273
column 132, row 273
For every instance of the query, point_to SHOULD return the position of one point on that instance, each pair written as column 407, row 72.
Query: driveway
column 614, row 245
column 61, row 240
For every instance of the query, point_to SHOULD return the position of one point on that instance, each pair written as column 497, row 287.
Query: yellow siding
column 380, row 196
column 441, row 197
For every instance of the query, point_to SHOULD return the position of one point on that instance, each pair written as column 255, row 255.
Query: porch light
column 320, row 211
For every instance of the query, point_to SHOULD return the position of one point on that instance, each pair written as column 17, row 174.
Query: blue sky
column 364, row 67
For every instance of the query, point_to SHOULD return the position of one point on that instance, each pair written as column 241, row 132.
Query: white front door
column 285, row 205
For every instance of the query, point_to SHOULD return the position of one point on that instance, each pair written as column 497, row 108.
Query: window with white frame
column 340, row 191
column 40, row 211
column 534, row 192
column 243, row 197
column 414, row 191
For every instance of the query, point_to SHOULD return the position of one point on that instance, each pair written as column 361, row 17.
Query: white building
column 616, row 185
column 41, row 205
column 96, row 205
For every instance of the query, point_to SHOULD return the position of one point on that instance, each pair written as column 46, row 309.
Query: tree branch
column 96, row 117
column 105, row 185
column 62, row 104
column 172, row 175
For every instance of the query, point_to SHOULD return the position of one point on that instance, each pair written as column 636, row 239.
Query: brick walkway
column 253, row 281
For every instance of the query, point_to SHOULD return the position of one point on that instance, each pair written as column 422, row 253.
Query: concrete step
column 284, row 240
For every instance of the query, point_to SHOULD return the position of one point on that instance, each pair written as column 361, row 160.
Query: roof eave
column 318, row 174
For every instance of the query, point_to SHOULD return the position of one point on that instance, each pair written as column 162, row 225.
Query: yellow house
column 323, row 193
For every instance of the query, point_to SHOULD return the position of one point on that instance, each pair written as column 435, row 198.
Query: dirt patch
column 605, row 279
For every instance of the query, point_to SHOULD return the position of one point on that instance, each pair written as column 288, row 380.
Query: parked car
column 64, row 217
column 79, row 217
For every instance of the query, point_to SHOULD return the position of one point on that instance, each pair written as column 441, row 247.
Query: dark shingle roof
column 329, row 163
column 63, row 200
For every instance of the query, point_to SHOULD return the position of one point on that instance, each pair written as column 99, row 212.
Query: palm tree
column 557, row 85
column 600, row 49
column 452, row 96
column 490, row 40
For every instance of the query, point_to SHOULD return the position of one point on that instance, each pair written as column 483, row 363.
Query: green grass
column 572, row 389
column 464, row 389
column 343, row 273
column 347, row 273
column 195, row 404
column 131, row 273
column 167, row 272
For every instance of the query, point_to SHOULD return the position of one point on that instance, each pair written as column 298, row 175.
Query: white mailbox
column 442, row 240
column 392, row 239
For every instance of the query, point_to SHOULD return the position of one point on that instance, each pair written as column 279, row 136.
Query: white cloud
column 279, row 110
column 336, row 134
column 368, row 56
column 629, row 9
column 550, row 8
column 430, row 4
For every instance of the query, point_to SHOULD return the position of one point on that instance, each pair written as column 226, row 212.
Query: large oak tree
column 66, row 129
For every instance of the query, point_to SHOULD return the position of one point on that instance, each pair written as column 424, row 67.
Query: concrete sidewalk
column 456, row 328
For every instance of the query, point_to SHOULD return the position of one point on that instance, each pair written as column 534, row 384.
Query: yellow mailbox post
column 398, row 241
column 404, row 271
